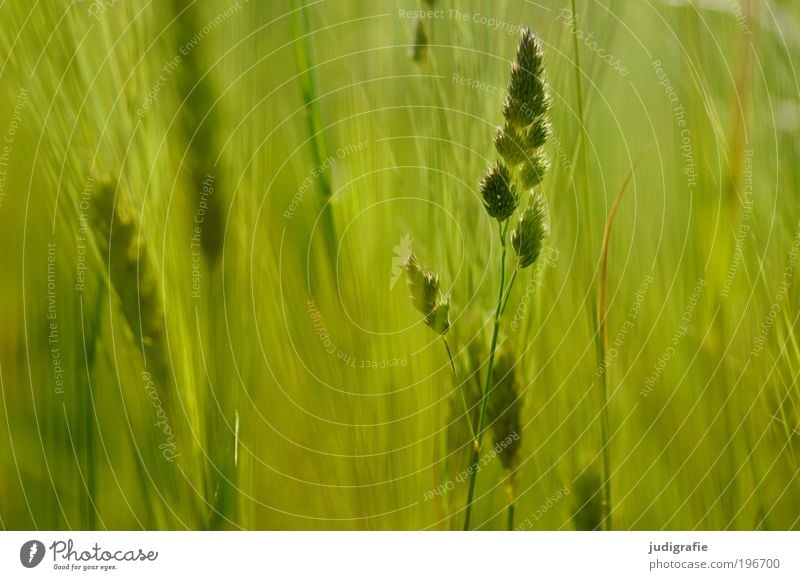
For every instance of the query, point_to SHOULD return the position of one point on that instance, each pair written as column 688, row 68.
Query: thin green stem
column 606, row 453
column 508, row 293
column 488, row 385
column 602, row 347
column 461, row 391
column 594, row 315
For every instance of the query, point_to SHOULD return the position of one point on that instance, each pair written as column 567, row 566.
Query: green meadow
column 206, row 210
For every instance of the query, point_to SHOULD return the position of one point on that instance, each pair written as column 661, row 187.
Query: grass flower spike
column 527, row 97
column 499, row 192
column 511, row 145
column 528, row 236
column 539, row 132
column 523, row 165
column 527, row 127
column 130, row 269
column 425, row 296
column 533, row 171
column 518, row 142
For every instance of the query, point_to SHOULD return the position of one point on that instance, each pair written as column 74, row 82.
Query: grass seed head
column 511, row 144
column 131, row 274
column 439, row 318
column 517, row 145
column 530, row 53
column 425, row 296
column 538, row 133
column 527, row 238
column 528, row 96
column 499, row 192
column 532, row 172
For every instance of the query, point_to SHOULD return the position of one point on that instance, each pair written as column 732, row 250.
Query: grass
column 303, row 389
column 518, row 142
column 603, row 351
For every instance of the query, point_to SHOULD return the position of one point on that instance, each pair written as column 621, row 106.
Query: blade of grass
column 602, row 346
column 582, row 133
column 308, row 86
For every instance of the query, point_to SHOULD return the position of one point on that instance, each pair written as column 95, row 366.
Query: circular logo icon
column 31, row 553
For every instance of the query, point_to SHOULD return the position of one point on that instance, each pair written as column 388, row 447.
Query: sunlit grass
column 303, row 389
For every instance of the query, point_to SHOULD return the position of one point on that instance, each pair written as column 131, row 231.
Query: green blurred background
column 295, row 385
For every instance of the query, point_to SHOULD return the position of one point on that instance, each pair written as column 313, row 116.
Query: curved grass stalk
column 602, row 349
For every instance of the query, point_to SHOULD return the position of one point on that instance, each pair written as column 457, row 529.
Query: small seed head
column 532, row 172
column 424, row 288
column 530, row 52
column 510, row 144
column 439, row 318
column 527, row 238
column 538, row 133
column 498, row 192
column 528, row 96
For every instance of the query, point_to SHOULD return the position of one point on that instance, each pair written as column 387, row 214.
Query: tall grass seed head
column 498, row 192
column 423, row 286
column 527, row 238
column 528, row 96
column 530, row 52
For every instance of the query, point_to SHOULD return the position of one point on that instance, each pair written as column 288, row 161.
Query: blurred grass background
column 280, row 418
